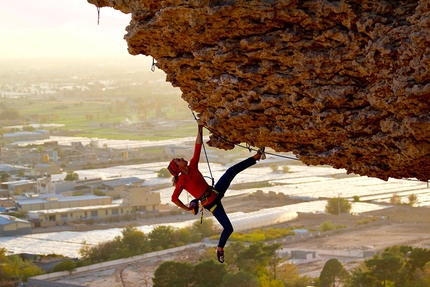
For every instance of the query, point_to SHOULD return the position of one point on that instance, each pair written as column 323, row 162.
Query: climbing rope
column 209, row 166
column 248, row 147
column 98, row 12
column 206, row 155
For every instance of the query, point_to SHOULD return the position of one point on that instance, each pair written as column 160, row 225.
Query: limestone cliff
column 344, row 83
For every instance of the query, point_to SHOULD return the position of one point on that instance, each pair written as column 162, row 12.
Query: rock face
column 343, row 83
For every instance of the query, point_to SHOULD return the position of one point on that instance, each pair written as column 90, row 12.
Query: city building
column 137, row 200
column 29, row 202
column 19, row 186
column 76, row 215
column 12, row 226
column 115, row 187
column 141, row 198
column 42, row 169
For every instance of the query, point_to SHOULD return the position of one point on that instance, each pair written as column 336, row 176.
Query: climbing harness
column 210, row 193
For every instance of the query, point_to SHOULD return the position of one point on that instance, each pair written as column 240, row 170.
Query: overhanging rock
column 343, row 83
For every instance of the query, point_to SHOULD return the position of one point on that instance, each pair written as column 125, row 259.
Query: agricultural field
column 118, row 103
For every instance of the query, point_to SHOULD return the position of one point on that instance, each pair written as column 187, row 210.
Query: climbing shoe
column 262, row 154
column 220, row 255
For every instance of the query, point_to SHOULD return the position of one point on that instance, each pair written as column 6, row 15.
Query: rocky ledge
column 340, row 83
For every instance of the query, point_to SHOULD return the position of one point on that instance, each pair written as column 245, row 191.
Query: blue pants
column 221, row 187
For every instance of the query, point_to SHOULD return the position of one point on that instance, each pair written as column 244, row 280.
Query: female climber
column 187, row 176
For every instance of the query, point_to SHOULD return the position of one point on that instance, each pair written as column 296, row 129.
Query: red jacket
column 194, row 182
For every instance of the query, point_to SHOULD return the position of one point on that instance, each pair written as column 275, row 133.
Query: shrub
column 260, row 235
column 395, row 199
column 285, row 169
column 164, row 173
column 98, row 192
column 326, row 226
column 67, row 265
column 274, row 167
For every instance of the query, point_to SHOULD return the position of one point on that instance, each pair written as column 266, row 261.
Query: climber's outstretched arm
column 199, row 138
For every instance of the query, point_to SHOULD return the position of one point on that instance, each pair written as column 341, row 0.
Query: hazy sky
column 60, row 28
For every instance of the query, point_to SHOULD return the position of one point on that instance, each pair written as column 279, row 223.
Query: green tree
column 202, row 229
column 332, row 272
column 336, row 204
column 14, row 267
column 356, row 198
column 240, row 278
column 135, row 241
column 66, row 265
column 184, row 236
column 386, row 267
column 17, row 191
column 415, row 258
column 164, row 173
column 71, row 176
column 209, row 273
column 101, row 252
column 400, row 265
column 234, row 250
column 174, row 274
column 422, row 279
column 360, row 277
column 255, row 256
column 162, row 237
column 4, row 177
column 289, row 274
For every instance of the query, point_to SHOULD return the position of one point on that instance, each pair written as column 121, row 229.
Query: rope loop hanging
column 98, row 12
column 153, row 65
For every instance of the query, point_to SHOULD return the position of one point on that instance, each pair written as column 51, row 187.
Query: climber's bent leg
column 224, row 182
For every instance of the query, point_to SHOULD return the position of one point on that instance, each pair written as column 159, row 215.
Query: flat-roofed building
column 13, row 226
column 12, row 169
column 42, row 169
column 57, row 201
column 137, row 200
column 51, row 217
column 19, row 186
column 115, row 187
column 142, row 198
